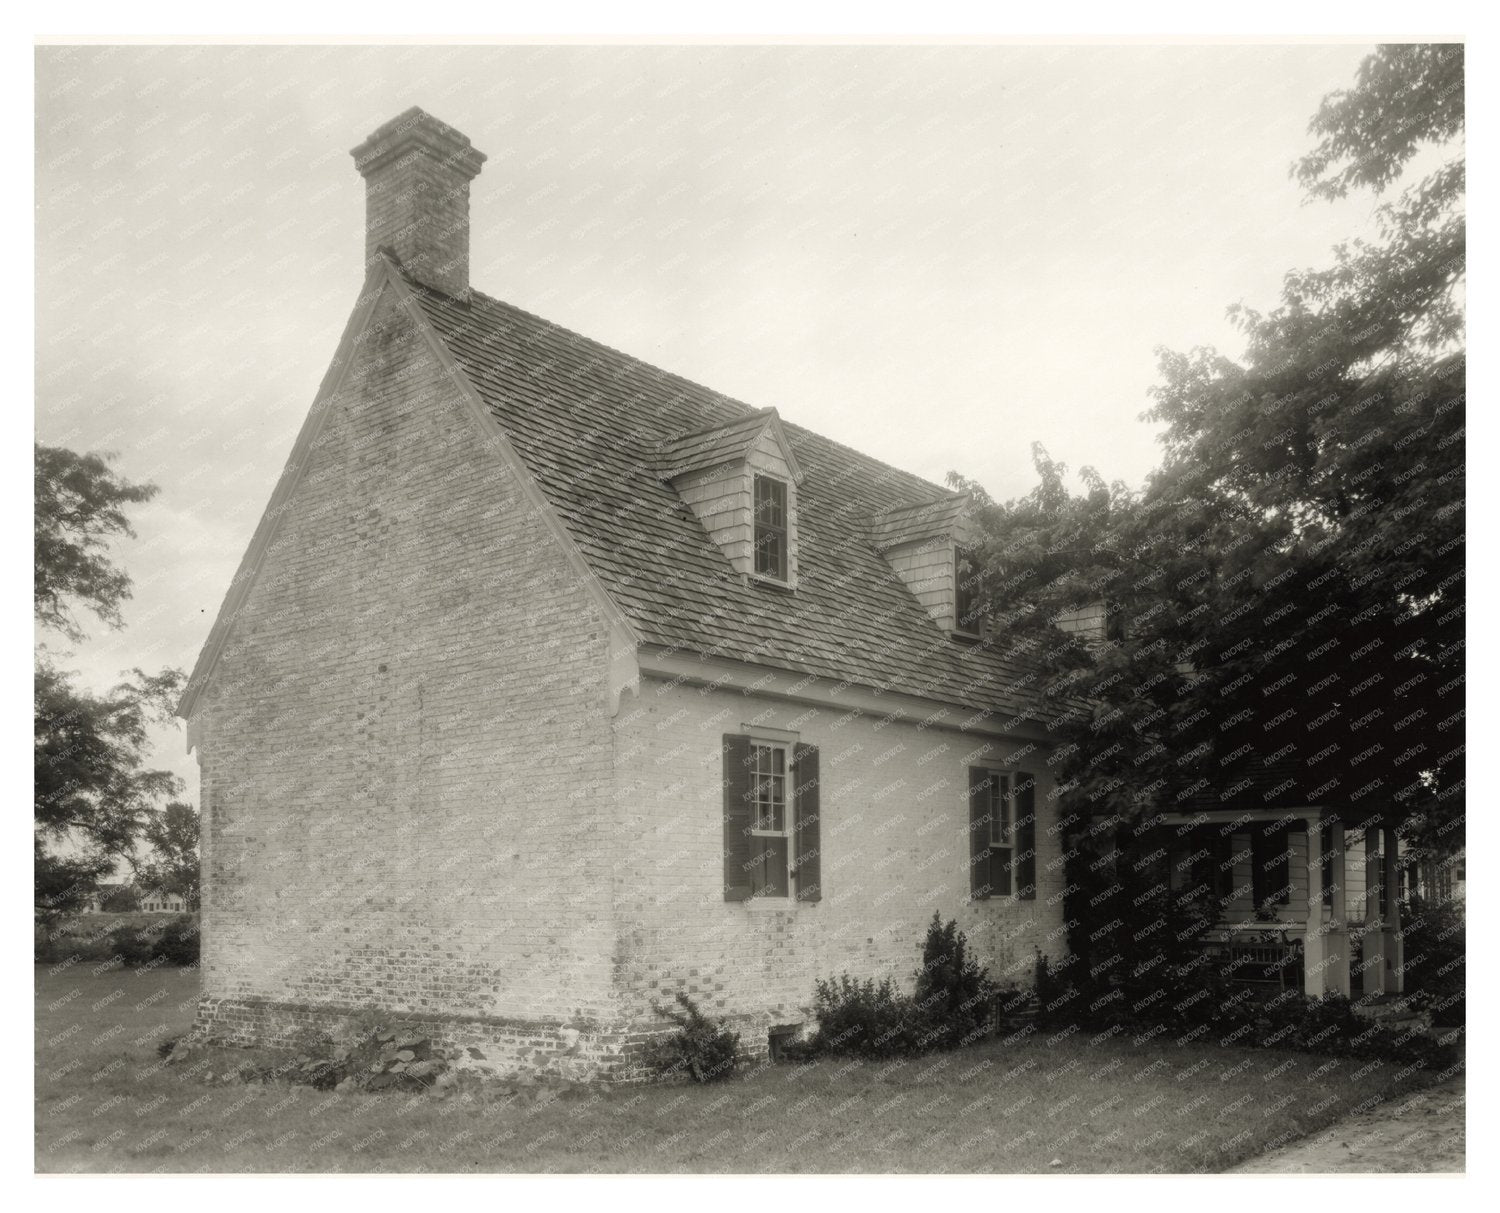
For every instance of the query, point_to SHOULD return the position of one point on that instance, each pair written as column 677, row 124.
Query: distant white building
column 154, row 901
column 128, row 898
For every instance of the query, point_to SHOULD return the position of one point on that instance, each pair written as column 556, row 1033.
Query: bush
column 1196, row 1002
column 377, row 1058
column 953, row 1005
column 1433, row 953
column 138, row 941
column 863, row 1019
column 955, row 997
column 178, row 943
column 701, row 1047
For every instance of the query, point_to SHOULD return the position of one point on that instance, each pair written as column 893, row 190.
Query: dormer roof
column 940, row 518
column 720, row 444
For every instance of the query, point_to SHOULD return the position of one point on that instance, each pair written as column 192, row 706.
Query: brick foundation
column 490, row 1046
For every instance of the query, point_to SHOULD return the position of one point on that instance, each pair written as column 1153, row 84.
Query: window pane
column 768, row 780
column 770, row 528
column 1000, row 810
column 770, row 555
column 1000, row 871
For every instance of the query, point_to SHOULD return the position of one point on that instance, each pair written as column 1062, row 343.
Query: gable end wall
column 404, row 744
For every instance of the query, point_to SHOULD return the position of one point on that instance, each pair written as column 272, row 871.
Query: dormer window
column 741, row 479
column 770, row 528
column 927, row 545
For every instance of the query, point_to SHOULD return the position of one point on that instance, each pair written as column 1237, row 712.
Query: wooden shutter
column 1025, row 810
column 979, row 833
column 738, row 853
column 808, row 855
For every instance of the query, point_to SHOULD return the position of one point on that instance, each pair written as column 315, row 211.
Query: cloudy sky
column 939, row 255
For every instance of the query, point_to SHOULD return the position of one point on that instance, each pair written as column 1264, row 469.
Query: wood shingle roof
column 593, row 425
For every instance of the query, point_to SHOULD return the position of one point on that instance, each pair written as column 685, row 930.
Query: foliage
column 954, row 996
column 141, row 941
column 80, row 504
column 1286, row 591
column 705, row 1049
column 375, row 1058
column 173, row 866
column 91, row 785
column 864, row 1019
column 120, row 899
column 93, row 792
column 1433, row 955
column 953, row 1005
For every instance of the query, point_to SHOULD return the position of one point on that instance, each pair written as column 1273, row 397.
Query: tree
column 79, row 508
column 173, row 867
column 92, row 790
column 1290, row 579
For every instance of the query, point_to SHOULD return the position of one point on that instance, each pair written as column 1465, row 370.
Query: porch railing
column 1269, row 958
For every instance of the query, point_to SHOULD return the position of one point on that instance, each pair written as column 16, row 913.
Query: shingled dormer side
column 715, row 473
column 924, row 545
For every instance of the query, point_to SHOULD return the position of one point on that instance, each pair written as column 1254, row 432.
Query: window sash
column 770, row 512
column 768, row 781
column 1001, row 811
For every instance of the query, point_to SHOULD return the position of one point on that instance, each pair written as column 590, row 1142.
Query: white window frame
column 1002, row 837
column 1002, row 811
column 786, row 529
column 785, row 750
column 778, row 739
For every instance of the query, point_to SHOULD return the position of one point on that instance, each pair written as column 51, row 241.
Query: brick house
column 552, row 683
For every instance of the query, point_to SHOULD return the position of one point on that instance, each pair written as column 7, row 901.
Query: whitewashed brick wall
column 895, row 848
column 405, row 753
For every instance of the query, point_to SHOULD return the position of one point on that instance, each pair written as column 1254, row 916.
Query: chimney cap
column 416, row 128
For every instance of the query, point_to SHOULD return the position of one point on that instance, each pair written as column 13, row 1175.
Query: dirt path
column 1422, row 1132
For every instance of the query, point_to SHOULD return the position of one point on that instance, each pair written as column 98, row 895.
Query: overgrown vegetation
column 1197, row 1001
column 703, row 1049
column 377, row 1058
column 1433, row 954
column 132, row 940
column 953, row 1004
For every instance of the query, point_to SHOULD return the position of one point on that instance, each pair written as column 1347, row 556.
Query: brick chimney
column 417, row 172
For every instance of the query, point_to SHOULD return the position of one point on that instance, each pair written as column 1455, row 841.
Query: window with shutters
column 770, row 528
column 771, row 820
column 1002, row 819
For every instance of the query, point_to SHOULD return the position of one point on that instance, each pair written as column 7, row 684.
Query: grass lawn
column 106, row 1102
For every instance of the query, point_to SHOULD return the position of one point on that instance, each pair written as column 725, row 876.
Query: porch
column 1306, row 901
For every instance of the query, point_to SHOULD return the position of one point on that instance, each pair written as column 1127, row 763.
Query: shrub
column 864, row 1019
column 701, row 1047
column 953, row 1004
column 139, row 941
column 375, row 1059
column 1433, row 956
column 178, row 942
column 955, row 997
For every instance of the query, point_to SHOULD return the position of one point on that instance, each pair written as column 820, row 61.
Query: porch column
column 1373, row 961
column 1313, row 938
column 1337, row 947
column 1391, row 926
